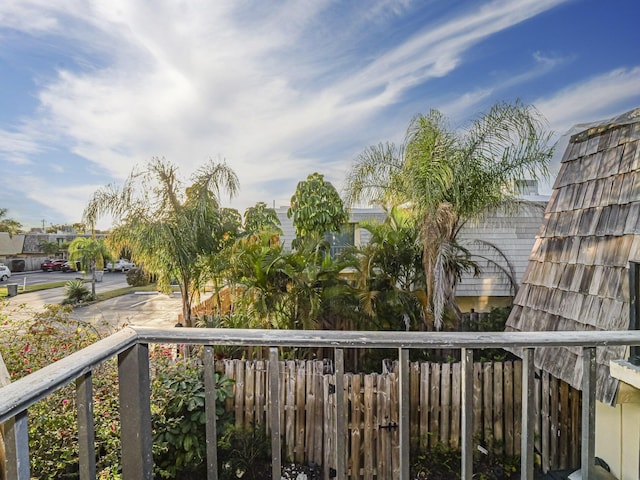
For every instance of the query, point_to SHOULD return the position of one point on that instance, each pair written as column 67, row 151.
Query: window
column 342, row 240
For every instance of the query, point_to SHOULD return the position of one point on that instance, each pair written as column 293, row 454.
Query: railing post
column 135, row 413
column 528, row 414
column 405, row 438
column 587, row 463
column 467, row 413
column 274, row 413
column 210, row 412
column 86, row 428
column 17, row 447
column 341, row 449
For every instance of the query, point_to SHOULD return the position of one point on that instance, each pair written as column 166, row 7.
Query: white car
column 5, row 273
column 122, row 265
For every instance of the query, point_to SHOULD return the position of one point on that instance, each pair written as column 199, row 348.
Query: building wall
column 618, row 438
column 513, row 234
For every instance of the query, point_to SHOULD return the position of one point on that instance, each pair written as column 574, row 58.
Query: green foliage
column 8, row 225
column 244, row 453
column 390, row 273
column 77, row 292
column 449, row 177
column 45, row 337
column 137, row 277
column 91, row 252
column 261, row 218
column 178, row 415
column 168, row 228
column 299, row 289
column 50, row 248
column 493, row 321
column 442, row 462
column 316, row 208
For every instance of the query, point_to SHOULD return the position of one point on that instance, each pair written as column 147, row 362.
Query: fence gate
column 370, row 441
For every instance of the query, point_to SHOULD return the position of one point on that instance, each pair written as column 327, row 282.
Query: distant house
column 578, row 277
column 23, row 252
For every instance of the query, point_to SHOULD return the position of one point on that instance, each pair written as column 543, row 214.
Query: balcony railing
column 131, row 346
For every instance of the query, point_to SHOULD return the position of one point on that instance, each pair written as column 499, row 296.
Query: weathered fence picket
column 371, row 412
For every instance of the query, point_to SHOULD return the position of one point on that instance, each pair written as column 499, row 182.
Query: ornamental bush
column 178, row 415
column 29, row 341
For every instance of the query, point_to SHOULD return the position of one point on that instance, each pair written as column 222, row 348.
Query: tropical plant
column 450, row 177
column 77, row 292
column 168, row 229
column 316, row 208
column 390, row 272
column 257, row 268
column 49, row 248
column 298, row 289
column 261, row 218
column 91, row 253
column 317, row 296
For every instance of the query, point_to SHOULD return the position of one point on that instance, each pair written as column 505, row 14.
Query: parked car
column 70, row 267
column 5, row 273
column 122, row 265
column 52, row 265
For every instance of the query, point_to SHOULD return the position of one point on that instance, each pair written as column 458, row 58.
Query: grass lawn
column 101, row 296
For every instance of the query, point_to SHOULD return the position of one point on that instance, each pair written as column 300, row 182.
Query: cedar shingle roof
column 578, row 274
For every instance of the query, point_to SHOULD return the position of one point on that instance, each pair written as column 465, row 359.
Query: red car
column 52, row 265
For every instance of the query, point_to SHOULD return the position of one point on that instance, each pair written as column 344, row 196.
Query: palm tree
column 168, row 229
column 450, row 177
column 390, row 272
column 91, row 253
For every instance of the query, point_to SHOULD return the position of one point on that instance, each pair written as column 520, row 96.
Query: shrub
column 244, row 453
column 442, row 462
column 77, row 292
column 44, row 338
column 137, row 277
column 178, row 416
column 177, row 395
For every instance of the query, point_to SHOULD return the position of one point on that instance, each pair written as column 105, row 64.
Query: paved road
column 149, row 309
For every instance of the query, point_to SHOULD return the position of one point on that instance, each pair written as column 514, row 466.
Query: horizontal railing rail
column 130, row 345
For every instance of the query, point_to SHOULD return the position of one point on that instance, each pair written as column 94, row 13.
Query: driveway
column 145, row 308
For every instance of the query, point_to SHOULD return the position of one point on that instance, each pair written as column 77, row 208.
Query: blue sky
column 280, row 89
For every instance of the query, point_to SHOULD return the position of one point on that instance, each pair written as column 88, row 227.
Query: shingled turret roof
column 578, row 272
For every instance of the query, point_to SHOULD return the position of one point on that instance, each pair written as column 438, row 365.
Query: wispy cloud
column 278, row 89
column 596, row 98
column 17, row 147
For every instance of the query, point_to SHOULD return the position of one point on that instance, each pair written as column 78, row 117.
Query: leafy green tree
column 50, row 248
column 91, row 253
column 168, row 229
column 316, row 208
column 260, row 218
column 8, row 225
column 450, row 177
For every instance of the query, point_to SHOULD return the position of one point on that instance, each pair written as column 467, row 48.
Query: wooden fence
column 307, row 397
